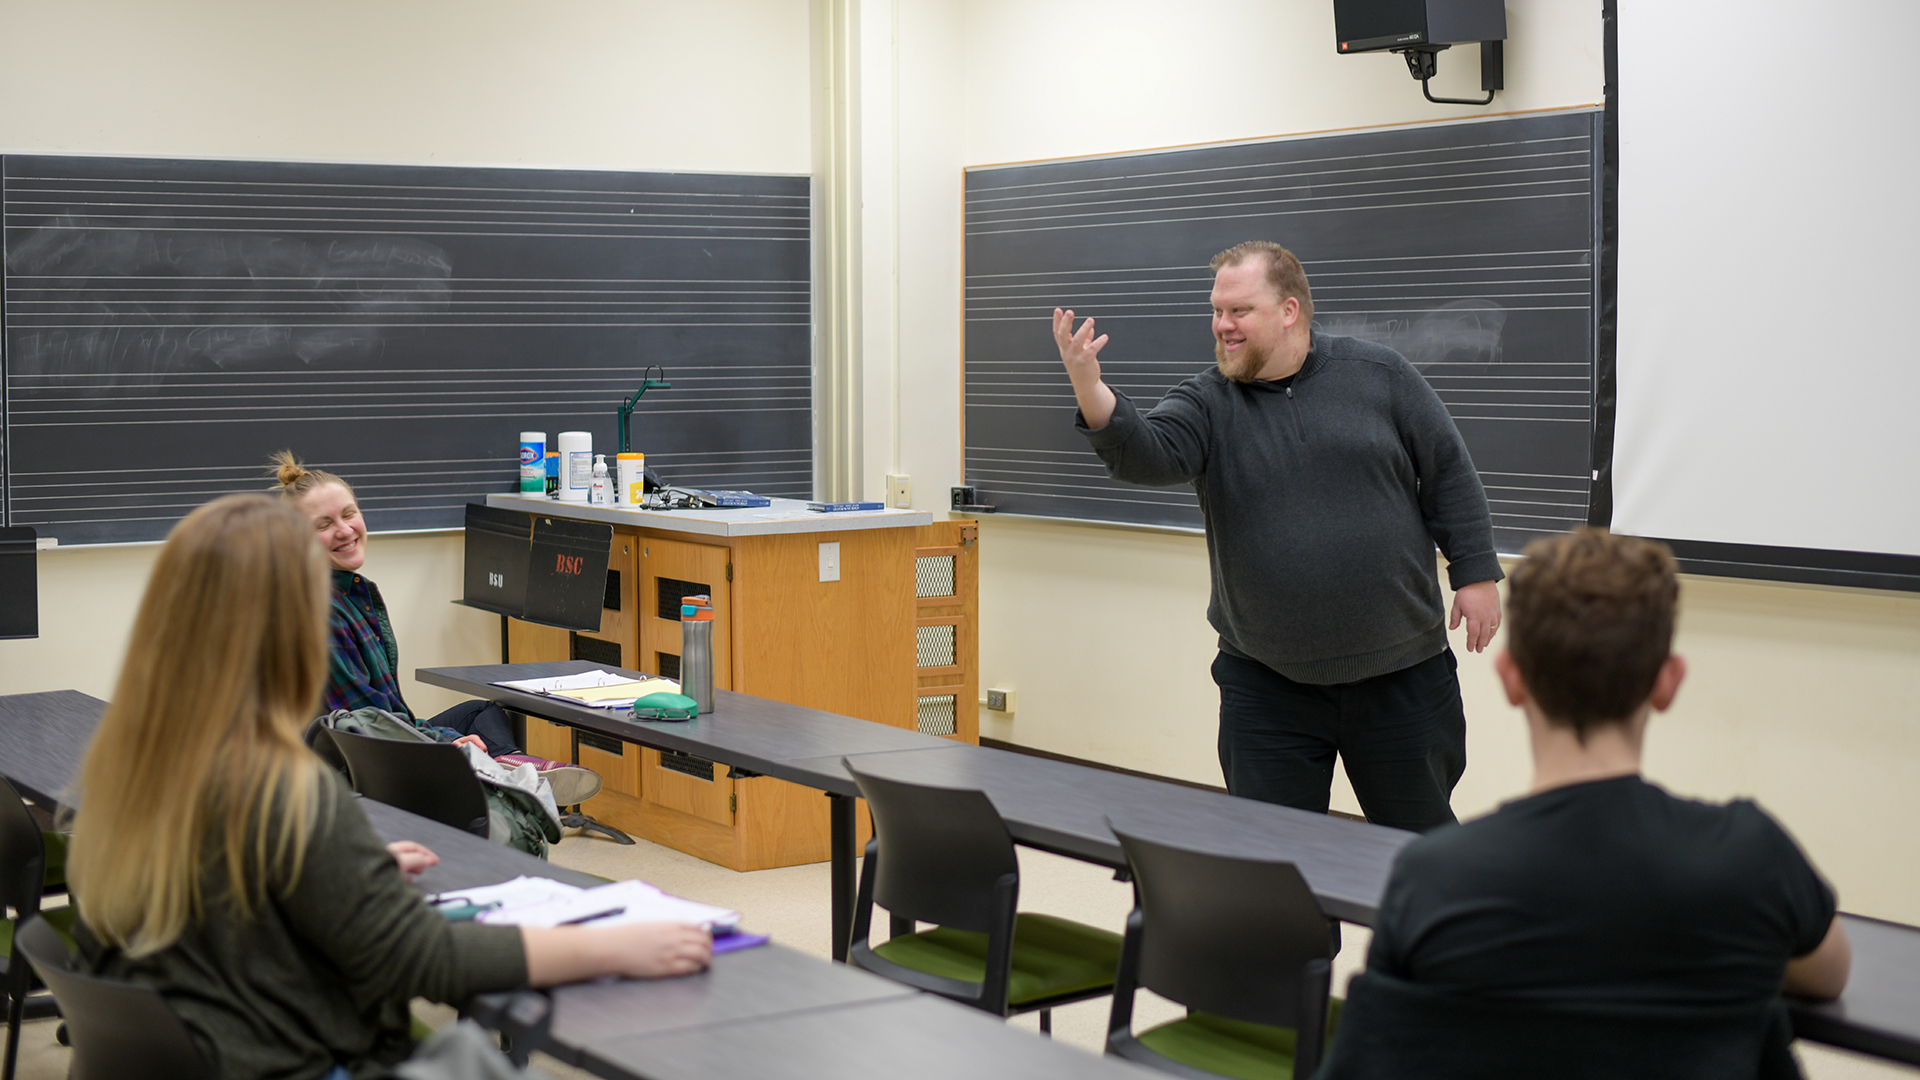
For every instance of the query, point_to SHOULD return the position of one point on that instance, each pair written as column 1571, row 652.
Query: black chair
column 943, row 856
column 117, row 1029
column 319, row 739
column 1392, row 1028
column 23, row 881
column 1243, row 944
column 433, row 780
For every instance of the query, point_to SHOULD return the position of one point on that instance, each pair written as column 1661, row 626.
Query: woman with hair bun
column 215, row 858
column 364, row 672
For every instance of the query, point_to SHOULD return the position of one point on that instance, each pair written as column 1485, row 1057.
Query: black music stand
column 540, row 569
column 19, row 583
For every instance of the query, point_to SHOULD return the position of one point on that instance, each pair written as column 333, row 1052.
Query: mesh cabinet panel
column 939, row 715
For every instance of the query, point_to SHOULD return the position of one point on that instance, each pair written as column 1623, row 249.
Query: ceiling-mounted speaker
column 1366, row 25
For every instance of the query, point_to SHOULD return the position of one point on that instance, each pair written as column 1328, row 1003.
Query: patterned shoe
column 572, row 784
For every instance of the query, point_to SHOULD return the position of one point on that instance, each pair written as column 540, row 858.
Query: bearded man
column 1327, row 470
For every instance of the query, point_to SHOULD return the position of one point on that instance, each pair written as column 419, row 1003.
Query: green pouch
column 664, row 706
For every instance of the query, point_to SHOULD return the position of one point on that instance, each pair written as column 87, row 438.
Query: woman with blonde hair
column 217, row 859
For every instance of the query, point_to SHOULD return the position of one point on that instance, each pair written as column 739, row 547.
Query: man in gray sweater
column 1327, row 470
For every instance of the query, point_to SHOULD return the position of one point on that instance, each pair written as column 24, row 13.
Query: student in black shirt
column 1597, row 891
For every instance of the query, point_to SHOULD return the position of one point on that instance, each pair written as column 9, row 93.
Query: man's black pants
column 1402, row 735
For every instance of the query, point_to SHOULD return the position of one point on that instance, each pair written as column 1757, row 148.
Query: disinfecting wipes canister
column 632, row 478
column 533, row 463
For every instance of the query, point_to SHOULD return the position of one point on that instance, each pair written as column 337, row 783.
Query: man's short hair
column 1589, row 624
column 1284, row 271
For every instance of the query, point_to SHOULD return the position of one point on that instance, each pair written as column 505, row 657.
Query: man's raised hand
column 1080, row 352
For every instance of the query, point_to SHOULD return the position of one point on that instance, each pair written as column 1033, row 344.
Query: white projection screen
column 1768, row 252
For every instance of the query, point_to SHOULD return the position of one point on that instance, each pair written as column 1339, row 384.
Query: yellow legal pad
column 623, row 691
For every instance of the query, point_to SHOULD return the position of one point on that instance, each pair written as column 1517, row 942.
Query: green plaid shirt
column 365, row 668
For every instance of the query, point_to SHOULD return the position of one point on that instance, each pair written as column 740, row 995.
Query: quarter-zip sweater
column 1323, row 501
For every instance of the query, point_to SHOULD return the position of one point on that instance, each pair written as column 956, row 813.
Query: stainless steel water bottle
column 696, row 650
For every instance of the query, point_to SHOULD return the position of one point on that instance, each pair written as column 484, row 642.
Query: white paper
column 582, row 681
column 569, row 685
column 617, row 903
column 521, row 892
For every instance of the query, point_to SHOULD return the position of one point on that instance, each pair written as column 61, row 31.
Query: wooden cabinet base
column 776, row 824
column 891, row 639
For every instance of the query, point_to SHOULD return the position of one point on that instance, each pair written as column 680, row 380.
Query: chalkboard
column 1468, row 247
column 168, row 324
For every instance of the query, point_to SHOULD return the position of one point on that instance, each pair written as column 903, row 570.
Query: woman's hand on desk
column 471, row 740
column 564, row 954
column 412, row 857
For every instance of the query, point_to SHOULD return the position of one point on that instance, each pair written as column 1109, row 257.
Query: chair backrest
column 23, row 854
column 942, row 853
column 118, row 1029
column 1236, row 937
column 1391, row 1028
column 433, row 780
column 319, row 739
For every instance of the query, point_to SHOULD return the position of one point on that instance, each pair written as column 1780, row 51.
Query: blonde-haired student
column 217, row 859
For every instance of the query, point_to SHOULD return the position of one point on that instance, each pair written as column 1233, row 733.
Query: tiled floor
column 791, row 904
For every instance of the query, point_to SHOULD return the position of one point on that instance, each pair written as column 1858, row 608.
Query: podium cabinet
column 894, row 640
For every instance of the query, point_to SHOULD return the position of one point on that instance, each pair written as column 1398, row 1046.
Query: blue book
column 837, row 507
column 728, row 497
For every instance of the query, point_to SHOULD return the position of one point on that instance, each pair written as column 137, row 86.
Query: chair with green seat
column 943, row 856
column 1243, row 944
column 25, row 857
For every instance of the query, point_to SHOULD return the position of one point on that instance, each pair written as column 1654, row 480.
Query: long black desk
column 1050, row 805
column 760, row 1012
column 754, row 735
column 42, row 738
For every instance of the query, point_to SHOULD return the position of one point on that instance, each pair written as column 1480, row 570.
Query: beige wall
column 597, row 84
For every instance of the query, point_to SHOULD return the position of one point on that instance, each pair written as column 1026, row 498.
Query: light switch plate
column 899, row 491
column 830, row 561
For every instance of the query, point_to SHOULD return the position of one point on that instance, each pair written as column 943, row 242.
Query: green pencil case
column 664, row 706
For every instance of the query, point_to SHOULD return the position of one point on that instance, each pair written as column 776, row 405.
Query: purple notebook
column 736, row 941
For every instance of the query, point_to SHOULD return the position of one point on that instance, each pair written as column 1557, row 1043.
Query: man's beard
column 1243, row 367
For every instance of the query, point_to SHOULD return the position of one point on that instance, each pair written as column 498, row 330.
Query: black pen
column 590, row 918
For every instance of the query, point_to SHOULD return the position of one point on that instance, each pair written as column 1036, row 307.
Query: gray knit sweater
column 1323, row 502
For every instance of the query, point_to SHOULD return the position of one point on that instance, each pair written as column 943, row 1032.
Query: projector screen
column 1769, row 275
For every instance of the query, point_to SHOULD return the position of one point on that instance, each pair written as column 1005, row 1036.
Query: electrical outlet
column 1000, row 701
column 899, row 491
column 830, row 561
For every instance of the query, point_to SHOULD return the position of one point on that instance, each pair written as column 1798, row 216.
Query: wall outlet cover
column 1000, row 701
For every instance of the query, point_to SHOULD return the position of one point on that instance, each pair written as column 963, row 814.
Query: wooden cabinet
column 670, row 569
column 894, row 640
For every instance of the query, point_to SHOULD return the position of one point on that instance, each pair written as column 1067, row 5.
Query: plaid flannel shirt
column 364, row 671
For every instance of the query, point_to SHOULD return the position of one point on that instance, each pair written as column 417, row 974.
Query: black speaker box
column 1366, row 25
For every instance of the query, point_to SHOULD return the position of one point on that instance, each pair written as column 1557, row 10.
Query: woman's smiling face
column 337, row 521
